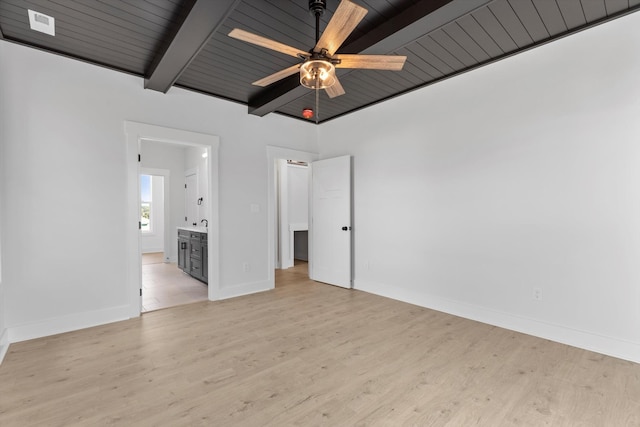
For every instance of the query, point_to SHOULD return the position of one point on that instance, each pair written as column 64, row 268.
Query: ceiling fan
column 317, row 71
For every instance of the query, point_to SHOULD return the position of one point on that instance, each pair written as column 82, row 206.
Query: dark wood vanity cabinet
column 192, row 254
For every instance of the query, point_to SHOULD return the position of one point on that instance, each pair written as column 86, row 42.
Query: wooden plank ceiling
column 185, row 43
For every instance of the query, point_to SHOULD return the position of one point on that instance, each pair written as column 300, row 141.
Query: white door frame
column 274, row 153
column 135, row 133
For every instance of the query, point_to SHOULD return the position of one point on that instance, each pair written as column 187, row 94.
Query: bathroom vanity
column 192, row 252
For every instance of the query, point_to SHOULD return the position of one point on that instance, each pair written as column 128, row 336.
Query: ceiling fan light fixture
column 317, row 74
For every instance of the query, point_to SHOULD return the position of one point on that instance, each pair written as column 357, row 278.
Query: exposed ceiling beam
column 277, row 95
column 412, row 23
column 190, row 36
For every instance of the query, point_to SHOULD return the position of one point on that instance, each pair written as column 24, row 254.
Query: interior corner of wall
column 244, row 289
column 4, row 343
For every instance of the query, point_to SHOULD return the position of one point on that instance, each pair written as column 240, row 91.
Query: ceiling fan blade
column 277, row 76
column 346, row 18
column 335, row 89
column 248, row 37
column 371, row 62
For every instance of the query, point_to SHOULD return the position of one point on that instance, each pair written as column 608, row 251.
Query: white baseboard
column 244, row 289
column 152, row 250
column 582, row 339
column 68, row 323
column 4, row 344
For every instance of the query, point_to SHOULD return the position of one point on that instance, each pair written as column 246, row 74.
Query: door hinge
column 185, row 218
column 139, row 225
column 185, row 186
column 139, row 157
column 140, row 291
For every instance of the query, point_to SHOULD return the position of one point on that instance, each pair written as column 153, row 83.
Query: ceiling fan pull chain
column 317, row 103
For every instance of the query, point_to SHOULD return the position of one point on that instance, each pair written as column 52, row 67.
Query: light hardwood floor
column 165, row 285
column 311, row 354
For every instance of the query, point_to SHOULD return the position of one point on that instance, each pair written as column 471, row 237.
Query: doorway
column 163, row 283
column 292, row 193
column 292, row 205
column 275, row 156
column 330, row 199
column 138, row 134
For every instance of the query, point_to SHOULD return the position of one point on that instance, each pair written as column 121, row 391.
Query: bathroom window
column 146, row 218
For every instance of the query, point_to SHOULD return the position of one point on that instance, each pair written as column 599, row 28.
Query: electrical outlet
column 246, row 267
column 537, row 294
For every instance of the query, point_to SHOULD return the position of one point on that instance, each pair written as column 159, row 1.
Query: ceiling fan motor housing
column 317, row 7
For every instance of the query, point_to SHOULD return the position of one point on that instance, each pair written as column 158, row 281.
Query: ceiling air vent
column 41, row 22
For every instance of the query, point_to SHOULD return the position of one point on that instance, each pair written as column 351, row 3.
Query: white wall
column 65, row 186
column 169, row 157
column 298, row 189
column 523, row 174
column 4, row 335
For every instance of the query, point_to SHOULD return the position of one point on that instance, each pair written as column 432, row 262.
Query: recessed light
column 41, row 22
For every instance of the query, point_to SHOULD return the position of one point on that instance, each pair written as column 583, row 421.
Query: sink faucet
column 206, row 223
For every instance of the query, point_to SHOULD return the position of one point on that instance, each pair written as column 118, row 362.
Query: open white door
column 330, row 225
column 191, row 198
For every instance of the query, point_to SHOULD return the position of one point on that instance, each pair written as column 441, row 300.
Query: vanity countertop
column 197, row 229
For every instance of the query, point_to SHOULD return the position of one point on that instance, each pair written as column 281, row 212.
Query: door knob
column 345, row 228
